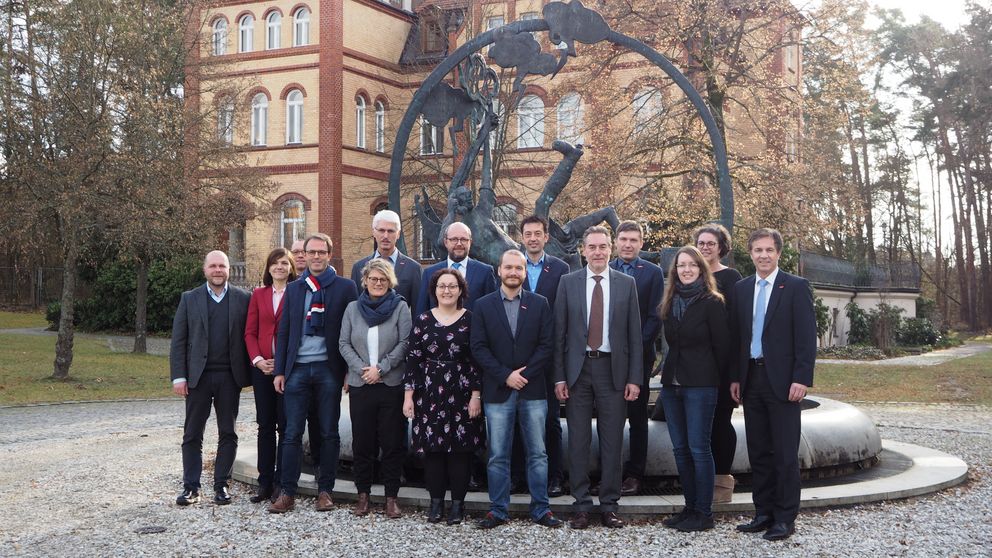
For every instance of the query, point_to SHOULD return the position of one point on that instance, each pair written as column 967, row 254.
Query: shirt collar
column 393, row 258
column 539, row 262
column 590, row 274
column 771, row 277
column 211, row 292
column 502, row 295
column 451, row 263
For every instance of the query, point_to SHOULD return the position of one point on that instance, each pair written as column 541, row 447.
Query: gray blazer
column 572, row 332
column 393, row 334
column 188, row 352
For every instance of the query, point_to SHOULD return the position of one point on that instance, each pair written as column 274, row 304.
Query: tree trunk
column 141, row 308
column 63, row 347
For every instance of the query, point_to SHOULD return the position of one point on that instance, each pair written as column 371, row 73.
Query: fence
column 33, row 287
column 827, row 270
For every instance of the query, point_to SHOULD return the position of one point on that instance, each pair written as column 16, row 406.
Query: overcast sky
column 950, row 13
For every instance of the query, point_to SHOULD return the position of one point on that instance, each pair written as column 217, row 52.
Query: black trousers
column 723, row 440
column 773, row 429
column 637, row 417
column 217, row 389
column 271, row 418
column 377, row 422
column 443, row 471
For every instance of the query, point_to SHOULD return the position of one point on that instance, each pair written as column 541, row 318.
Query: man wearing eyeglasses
column 480, row 277
column 299, row 257
column 386, row 231
column 309, row 367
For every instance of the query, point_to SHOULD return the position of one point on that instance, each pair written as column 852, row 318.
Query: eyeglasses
column 447, row 287
column 299, row 252
column 703, row 244
column 459, row 240
column 690, row 265
column 316, row 253
column 377, row 280
column 386, row 231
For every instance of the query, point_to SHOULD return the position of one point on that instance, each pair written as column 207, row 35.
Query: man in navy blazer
column 479, row 276
column 775, row 327
column 386, row 230
column 512, row 341
column 650, row 280
column 309, row 365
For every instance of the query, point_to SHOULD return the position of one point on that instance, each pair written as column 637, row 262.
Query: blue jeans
column 306, row 382
column 500, row 418
column 689, row 413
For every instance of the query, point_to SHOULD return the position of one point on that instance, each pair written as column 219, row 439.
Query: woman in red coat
column 264, row 311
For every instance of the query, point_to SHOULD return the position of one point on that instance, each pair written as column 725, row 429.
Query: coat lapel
column 775, row 297
column 748, row 304
column 498, row 308
column 579, row 294
column 201, row 307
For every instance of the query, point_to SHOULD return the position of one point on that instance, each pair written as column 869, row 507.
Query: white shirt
column 768, row 291
column 605, row 283
column 463, row 269
column 373, row 345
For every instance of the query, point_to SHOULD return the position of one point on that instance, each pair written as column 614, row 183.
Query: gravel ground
column 82, row 479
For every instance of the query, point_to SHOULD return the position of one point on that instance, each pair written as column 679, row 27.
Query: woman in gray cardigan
column 376, row 324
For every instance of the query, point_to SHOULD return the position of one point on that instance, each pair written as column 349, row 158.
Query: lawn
column 26, row 369
column 966, row 380
column 17, row 320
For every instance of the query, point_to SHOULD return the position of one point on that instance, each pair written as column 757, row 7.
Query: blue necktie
column 759, row 320
column 457, row 266
column 627, row 269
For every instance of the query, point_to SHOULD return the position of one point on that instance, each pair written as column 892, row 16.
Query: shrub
column 884, row 321
column 860, row 332
column 918, row 332
column 851, row 352
column 822, row 315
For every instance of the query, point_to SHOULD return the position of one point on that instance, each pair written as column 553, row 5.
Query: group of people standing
column 479, row 358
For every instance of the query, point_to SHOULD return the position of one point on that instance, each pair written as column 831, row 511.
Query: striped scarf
column 315, row 314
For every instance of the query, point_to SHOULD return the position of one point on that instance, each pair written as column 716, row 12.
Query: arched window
column 647, row 108
column 530, row 122
column 225, row 122
column 301, row 27
column 570, row 118
column 505, row 217
column 294, row 117
column 380, row 127
column 220, row 37
column 273, row 28
column 292, row 223
column 360, row 121
column 431, row 138
column 246, row 28
column 259, row 118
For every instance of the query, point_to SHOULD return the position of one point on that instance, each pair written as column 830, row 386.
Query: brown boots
column 283, row 504
column 723, row 489
column 324, row 502
column 393, row 508
column 363, row 506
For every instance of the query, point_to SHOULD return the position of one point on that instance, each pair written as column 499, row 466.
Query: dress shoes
column 189, row 497
column 579, row 521
column 393, row 508
column 555, row 488
column 436, row 510
column 362, row 505
column 490, row 522
column 673, row 522
column 696, row 522
column 549, row 520
column 283, row 504
column 263, row 494
column 611, row 520
column 457, row 512
column 324, row 502
column 222, row 496
column 759, row 523
column 779, row 531
column 631, row 486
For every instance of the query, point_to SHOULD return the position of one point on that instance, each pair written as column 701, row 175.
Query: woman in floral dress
column 443, row 395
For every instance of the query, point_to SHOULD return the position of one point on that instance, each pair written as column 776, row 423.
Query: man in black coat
column 775, row 326
column 208, row 365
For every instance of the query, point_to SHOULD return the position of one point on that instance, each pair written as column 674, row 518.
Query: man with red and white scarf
column 309, row 366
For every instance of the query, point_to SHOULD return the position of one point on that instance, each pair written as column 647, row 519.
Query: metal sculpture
column 515, row 47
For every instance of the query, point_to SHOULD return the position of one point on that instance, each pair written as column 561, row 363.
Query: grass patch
column 966, row 380
column 17, row 320
column 26, row 367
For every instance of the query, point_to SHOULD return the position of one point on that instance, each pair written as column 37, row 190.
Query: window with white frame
column 259, row 118
column 246, row 29
column 294, row 117
column 530, row 122
column 220, row 37
column 647, row 108
column 431, row 138
column 380, row 127
column 292, row 223
column 360, row 121
column 225, row 122
column 494, row 22
column 526, row 16
column 273, row 30
column 570, row 118
column 301, row 27
column 505, row 217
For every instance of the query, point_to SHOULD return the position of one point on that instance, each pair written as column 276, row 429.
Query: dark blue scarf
column 315, row 314
column 686, row 295
column 377, row 312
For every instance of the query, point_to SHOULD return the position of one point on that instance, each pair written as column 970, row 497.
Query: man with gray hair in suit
column 208, row 365
column 386, row 232
column 597, row 362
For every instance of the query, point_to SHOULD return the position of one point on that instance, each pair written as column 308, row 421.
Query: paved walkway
column 926, row 359
column 117, row 343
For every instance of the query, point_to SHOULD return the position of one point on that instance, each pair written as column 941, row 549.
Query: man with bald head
column 480, row 277
column 208, row 365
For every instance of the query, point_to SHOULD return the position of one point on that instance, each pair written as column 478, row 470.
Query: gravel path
column 81, row 479
column 926, row 359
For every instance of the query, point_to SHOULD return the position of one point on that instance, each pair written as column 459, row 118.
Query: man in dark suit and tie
column 512, row 337
column 208, row 365
column 309, row 366
column 650, row 281
column 386, row 230
column 597, row 361
column 544, row 271
column 480, row 276
column 773, row 318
